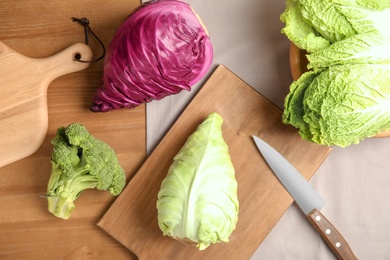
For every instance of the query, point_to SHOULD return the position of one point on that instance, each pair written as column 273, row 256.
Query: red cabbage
column 159, row 50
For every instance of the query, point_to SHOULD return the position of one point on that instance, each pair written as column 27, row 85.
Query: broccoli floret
column 80, row 162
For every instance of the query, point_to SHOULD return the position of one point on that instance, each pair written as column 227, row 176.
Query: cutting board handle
column 23, row 107
column 66, row 61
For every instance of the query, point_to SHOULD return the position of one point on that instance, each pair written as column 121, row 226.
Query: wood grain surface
column 27, row 230
column 23, row 108
column 132, row 219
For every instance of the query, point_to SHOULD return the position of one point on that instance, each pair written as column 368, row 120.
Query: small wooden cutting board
column 23, row 101
column 132, row 219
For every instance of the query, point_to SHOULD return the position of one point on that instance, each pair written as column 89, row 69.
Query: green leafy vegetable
column 345, row 97
column 371, row 48
column 362, row 19
column 302, row 33
column 373, row 4
column 326, row 19
column 198, row 202
column 343, row 104
column 314, row 24
column 294, row 112
column 80, row 162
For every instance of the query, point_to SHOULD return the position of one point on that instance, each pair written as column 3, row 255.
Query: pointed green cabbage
column 198, row 199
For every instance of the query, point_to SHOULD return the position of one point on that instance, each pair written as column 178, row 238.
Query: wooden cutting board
column 23, row 104
column 132, row 219
column 40, row 29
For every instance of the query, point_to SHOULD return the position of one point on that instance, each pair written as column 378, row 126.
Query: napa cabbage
column 366, row 16
column 197, row 202
column 315, row 24
column 294, row 111
column 345, row 95
column 341, row 105
column 371, row 47
column 299, row 31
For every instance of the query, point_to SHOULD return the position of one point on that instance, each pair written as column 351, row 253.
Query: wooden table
column 27, row 230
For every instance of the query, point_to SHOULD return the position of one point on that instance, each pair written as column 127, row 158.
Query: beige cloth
column 354, row 181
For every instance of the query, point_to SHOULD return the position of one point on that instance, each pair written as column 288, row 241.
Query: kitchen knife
column 306, row 197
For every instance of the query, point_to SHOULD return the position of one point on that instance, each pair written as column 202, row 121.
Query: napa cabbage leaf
column 294, row 112
column 299, row 31
column 342, row 105
column 325, row 16
column 366, row 16
column 345, row 95
column 315, row 24
column 197, row 201
column 371, row 47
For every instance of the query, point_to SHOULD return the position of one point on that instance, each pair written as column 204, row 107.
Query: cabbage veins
column 197, row 202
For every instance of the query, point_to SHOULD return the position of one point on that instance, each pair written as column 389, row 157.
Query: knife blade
column 306, row 198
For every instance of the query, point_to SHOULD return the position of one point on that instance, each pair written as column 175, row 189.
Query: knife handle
column 332, row 237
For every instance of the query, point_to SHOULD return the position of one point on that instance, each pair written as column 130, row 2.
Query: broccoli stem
column 54, row 178
column 61, row 198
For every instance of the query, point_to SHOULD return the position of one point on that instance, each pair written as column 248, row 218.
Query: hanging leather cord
column 87, row 30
